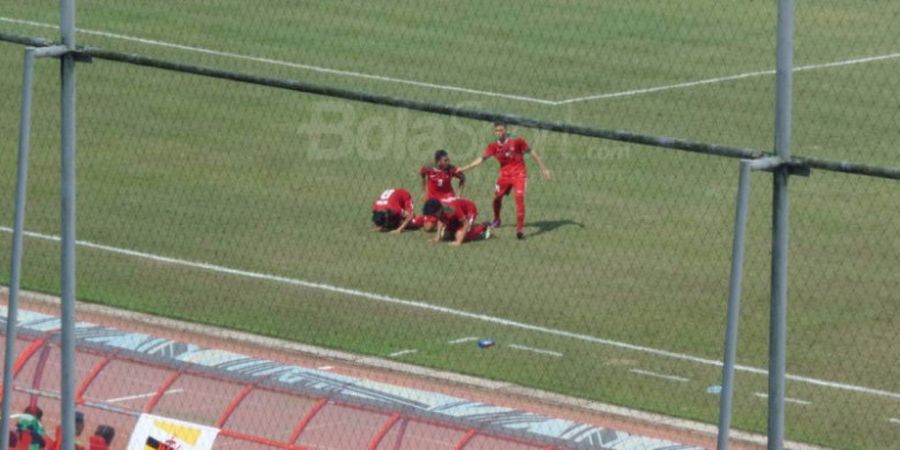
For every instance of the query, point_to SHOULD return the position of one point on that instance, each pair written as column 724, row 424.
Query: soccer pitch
column 247, row 207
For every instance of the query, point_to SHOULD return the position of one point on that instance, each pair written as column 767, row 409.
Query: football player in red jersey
column 456, row 220
column 393, row 210
column 510, row 152
column 437, row 178
column 437, row 182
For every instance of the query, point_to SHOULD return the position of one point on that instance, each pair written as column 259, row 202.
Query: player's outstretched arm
column 461, row 234
column 406, row 221
column 545, row 172
column 475, row 163
column 440, row 232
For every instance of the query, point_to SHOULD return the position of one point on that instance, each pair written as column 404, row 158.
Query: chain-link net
column 250, row 208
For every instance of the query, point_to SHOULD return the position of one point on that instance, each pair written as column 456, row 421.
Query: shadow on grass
column 547, row 226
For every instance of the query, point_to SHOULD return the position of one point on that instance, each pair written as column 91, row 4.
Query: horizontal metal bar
column 766, row 163
column 434, row 108
column 94, row 404
column 50, row 52
column 615, row 135
column 25, row 40
column 892, row 173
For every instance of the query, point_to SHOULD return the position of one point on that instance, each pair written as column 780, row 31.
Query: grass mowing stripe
column 460, row 313
column 309, row 67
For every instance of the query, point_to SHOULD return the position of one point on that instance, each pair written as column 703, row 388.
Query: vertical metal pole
column 734, row 305
column 67, row 272
column 12, row 313
column 780, row 213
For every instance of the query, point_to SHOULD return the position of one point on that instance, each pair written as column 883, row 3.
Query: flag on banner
column 162, row 433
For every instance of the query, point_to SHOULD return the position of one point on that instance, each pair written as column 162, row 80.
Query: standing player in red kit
column 510, row 153
column 437, row 182
column 456, row 220
column 393, row 210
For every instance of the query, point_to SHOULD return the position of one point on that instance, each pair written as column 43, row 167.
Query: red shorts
column 504, row 185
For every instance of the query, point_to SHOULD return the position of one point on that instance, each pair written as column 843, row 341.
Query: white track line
column 402, row 352
column 325, row 368
column 525, row 98
column 140, row 396
column 726, row 78
column 660, row 375
column 536, row 350
column 786, row 399
column 459, row 313
column 461, row 340
column 277, row 62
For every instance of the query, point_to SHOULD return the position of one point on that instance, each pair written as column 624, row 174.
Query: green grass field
column 625, row 270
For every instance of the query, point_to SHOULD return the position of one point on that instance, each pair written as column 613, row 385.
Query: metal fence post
column 780, row 223
column 734, row 305
column 67, row 268
column 12, row 314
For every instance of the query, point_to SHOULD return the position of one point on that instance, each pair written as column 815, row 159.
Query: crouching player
column 456, row 221
column 393, row 210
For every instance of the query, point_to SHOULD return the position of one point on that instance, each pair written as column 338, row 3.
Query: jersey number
column 383, row 199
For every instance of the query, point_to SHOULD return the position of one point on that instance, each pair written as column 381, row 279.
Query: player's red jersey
column 439, row 182
column 459, row 209
column 511, row 156
column 396, row 200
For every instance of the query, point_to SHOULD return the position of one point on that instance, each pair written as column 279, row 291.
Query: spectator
column 30, row 429
column 79, row 428
column 102, row 438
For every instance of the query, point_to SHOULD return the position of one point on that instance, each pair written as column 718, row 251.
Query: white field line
column 312, row 68
column 140, row 396
column 786, row 399
column 660, row 375
column 739, row 76
column 461, row 340
column 894, row 420
column 459, row 313
column 423, row 84
column 536, row 350
column 402, row 352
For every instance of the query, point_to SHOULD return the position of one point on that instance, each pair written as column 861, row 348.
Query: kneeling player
column 437, row 183
column 456, row 220
column 393, row 210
